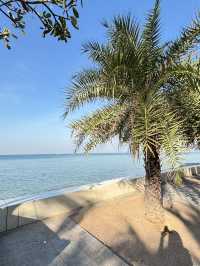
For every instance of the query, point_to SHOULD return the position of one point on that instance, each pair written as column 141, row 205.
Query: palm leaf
column 99, row 127
column 188, row 39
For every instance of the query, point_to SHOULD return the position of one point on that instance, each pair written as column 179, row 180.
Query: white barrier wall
column 26, row 211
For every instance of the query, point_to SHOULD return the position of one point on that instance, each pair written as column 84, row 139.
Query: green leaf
column 75, row 11
column 74, row 22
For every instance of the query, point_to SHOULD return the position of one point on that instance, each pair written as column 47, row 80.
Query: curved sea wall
column 17, row 212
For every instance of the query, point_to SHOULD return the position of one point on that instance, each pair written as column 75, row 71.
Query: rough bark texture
column 153, row 192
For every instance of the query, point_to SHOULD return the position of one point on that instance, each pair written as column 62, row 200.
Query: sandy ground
column 121, row 225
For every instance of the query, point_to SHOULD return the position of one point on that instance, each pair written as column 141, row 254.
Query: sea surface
column 27, row 175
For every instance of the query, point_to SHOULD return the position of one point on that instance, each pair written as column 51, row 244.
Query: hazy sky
column 36, row 71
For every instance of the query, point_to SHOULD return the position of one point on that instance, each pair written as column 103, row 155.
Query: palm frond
column 186, row 102
column 97, row 52
column 171, row 140
column 151, row 49
column 98, row 128
column 84, row 88
column 123, row 27
column 151, row 33
column 154, row 129
column 188, row 71
column 146, row 125
column 189, row 38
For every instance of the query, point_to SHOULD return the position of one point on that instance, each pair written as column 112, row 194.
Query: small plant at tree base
column 178, row 178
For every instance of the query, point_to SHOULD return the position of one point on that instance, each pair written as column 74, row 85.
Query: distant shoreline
column 26, row 156
column 76, row 154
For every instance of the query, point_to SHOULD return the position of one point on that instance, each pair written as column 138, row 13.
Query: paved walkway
column 189, row 191
column 59, row 241
column 55, row 242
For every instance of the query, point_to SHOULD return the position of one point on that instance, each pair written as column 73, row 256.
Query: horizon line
column 72, row 153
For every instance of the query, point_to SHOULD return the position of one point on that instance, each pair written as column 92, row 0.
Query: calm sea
column 22, row 175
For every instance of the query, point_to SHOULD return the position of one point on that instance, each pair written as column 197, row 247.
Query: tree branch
column 9, row 17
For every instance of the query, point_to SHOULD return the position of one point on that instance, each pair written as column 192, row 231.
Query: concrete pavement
column 56, row 241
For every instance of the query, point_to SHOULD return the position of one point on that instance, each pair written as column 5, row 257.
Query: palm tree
column 130, row 74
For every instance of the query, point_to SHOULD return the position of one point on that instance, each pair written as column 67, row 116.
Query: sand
column 120, row 224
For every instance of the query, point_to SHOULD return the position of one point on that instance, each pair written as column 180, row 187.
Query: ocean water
column 22, row 175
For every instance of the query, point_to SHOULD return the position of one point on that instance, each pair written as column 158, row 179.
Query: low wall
column 18, row 213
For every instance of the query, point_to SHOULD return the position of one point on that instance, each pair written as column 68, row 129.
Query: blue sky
column 36, row 71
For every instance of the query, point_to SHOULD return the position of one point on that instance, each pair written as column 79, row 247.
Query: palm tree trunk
column 153, row 192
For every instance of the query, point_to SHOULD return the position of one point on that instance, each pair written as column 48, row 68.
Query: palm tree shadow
column 32, row 244
column 131, row 248
column 42, row 242
column 171, row 250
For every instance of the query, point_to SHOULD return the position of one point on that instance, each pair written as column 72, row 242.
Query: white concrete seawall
column 26, row 210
